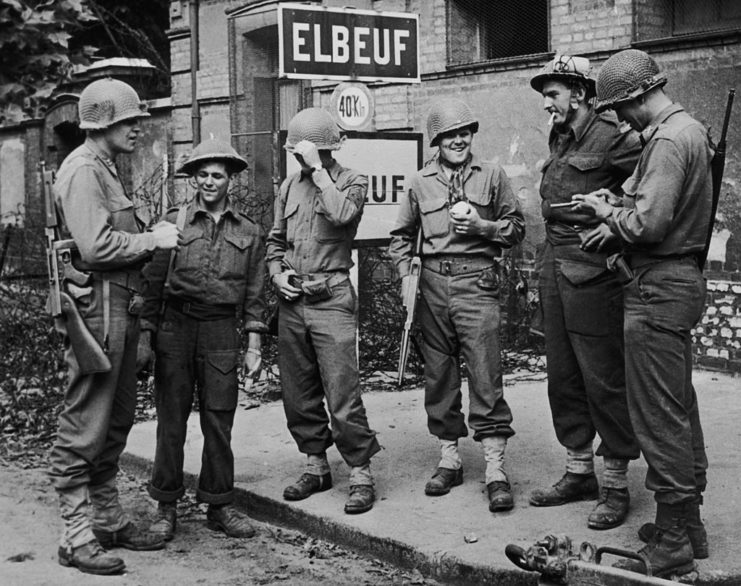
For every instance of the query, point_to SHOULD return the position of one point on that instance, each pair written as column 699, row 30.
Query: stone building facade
column 484, row 53
column 225, row 83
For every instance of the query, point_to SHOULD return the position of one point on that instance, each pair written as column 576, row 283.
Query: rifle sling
column 106, row 312
column 180, row 223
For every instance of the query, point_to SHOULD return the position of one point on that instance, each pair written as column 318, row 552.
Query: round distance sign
column 352, row 106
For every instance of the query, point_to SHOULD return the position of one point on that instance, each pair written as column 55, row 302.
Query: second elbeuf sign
column 347, row 44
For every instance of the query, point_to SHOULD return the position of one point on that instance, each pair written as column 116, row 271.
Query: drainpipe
column 194, row 45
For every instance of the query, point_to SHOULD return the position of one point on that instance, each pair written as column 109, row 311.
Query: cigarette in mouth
column 551, row 119
column 567, row 204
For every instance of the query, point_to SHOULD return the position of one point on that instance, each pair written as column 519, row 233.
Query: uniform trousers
column 318, row 362
column 458, row 317
column 97, row 415
column 663, row 302
column 195, row 358
column 583, row 323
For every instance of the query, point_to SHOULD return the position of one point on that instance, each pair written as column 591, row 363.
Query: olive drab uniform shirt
column 668, row 199
column 218, row 263
column 595, row 153
column 98, row 214
column 487, row 188
column 313, row 229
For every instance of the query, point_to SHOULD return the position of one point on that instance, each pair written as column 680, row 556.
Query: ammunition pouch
column 317, row 287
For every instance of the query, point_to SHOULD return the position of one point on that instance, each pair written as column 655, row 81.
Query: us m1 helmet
column 625, row 76
column 316, row 126
column 447, row 115
column 107, row 101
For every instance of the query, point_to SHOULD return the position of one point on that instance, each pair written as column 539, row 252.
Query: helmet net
column 316, row 126
column 108, row 101
column 447, row 115
column 627, row 75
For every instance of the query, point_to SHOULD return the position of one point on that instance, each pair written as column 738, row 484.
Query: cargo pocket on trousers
column 221, row 380
column 586, row 307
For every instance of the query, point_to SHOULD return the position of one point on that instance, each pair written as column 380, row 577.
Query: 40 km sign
column 347, row 44
column 352, row 106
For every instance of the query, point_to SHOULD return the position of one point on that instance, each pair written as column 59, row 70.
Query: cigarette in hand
column 567, row 204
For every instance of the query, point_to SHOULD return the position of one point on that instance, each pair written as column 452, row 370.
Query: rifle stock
column 410, row 304
column 717, row 165
column 90, row 356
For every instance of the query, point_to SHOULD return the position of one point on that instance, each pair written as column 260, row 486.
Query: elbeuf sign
column 347, row 44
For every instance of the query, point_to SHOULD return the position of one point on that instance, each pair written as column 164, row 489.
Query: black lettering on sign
column 338, row 43
column 385, row 189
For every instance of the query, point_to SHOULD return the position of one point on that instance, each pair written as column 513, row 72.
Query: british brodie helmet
column 625, row 76
column 108, row 101
column 447, row 115
column 316, row 126
column 566, row 69
column 213, row 150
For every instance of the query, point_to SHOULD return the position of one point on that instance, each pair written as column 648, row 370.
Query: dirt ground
column 30, row 529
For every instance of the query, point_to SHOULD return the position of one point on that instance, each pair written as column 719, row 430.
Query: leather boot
column 360, row 500
column 229, row 520
column 695, row 530
column 572, row 487
column 669, row 553
column 166, row 522
column 91, row 558
column 500, row 496
column 307, row 485
column 611, row 510
column 443, row 480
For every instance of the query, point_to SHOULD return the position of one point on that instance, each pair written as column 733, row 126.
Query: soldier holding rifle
column 468, row 213
column 664, row 223
column 109, row 251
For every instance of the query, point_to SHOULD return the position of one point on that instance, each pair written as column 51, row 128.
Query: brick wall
column 513, row 127
column 717, row 338
column 585, row 26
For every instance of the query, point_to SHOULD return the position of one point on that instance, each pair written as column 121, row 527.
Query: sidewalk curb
column 443, row 567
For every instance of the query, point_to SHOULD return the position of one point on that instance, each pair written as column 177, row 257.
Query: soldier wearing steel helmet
column 98, row 409
column 582, row 300
column 317, row 212
column 663, row 224
column 468, row 214
column 198, row 304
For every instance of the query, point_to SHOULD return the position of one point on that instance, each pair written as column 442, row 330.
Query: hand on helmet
column 309, row 153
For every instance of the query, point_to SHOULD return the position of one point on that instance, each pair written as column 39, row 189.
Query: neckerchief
column 455, row 185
